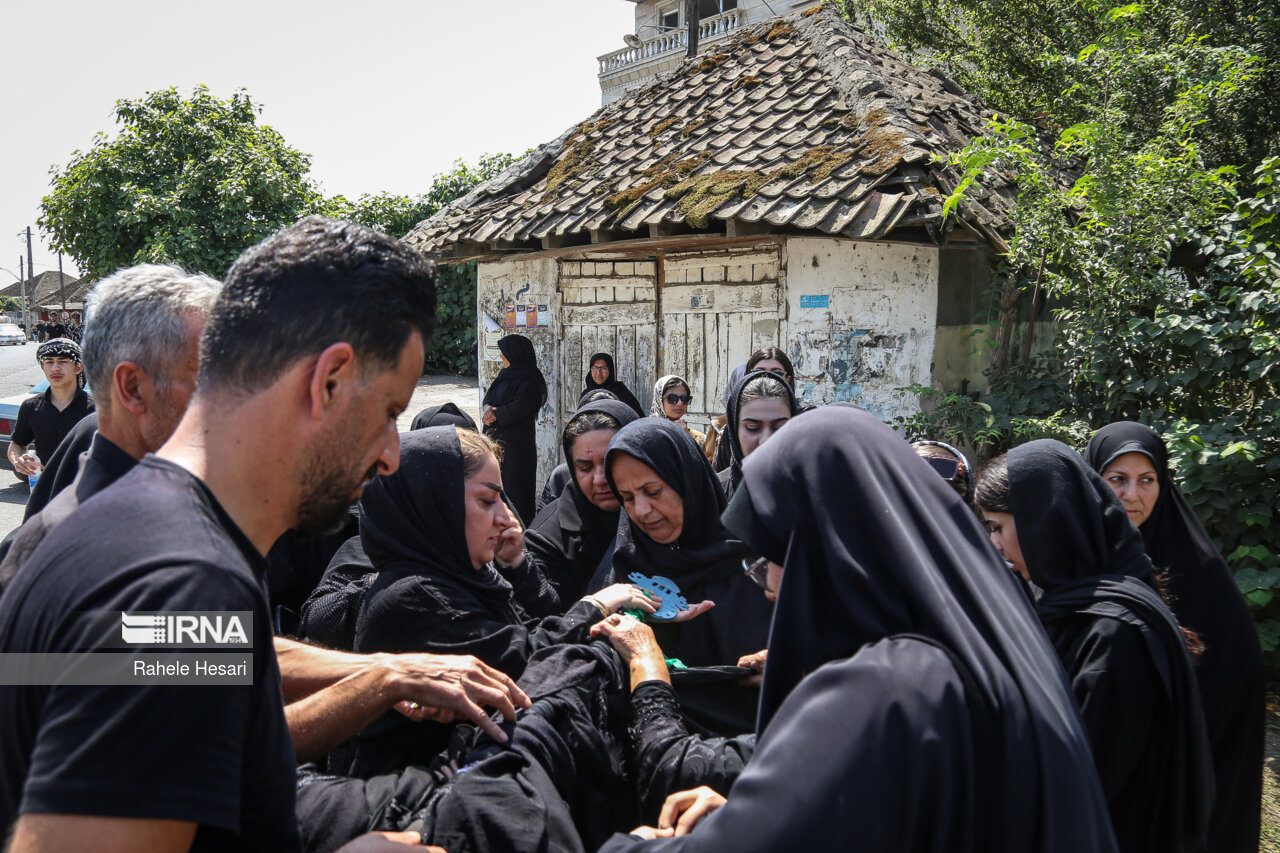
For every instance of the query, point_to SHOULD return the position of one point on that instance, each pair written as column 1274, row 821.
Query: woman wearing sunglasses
column 671, row 399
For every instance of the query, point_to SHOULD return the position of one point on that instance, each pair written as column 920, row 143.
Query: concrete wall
column 875, row 332
column 522, row 282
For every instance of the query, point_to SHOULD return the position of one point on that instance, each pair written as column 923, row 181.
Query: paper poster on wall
column 492, row 332
column 544, row 315
column 815, row 301
column 531, row 316
column 511, row 315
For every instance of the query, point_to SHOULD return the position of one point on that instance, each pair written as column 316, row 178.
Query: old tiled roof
column 46, row 288
column 803, row 122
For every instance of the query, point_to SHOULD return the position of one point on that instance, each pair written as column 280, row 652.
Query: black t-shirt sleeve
column 152, row 751
column 22, row 432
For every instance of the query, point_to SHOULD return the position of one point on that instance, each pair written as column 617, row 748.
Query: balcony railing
column 663, row 44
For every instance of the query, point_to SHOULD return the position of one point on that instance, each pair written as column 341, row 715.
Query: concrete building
column 784, row 189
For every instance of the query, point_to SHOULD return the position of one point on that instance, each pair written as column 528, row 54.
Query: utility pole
column 62, row 283
column 692, row 22
column 22, row 287
column 31, row 273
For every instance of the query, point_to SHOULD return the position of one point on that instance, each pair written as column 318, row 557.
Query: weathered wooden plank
column 571, row 350
column 697, row 345
column 646, row 362
column 712, row 360
column 628, row 313
column 674, row 342
column 720, row 298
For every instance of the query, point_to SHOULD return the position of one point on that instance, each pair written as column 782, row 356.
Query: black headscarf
column 875, row 546
column 571, row 534
column 734, row 412
column 613, row 385
column 705, row 562
column 522, row 373
column 1082, row 551
column 442, row 415
column 1204, row 596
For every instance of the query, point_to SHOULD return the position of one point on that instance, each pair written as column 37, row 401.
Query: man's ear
column 127, row 387
column 333, row 376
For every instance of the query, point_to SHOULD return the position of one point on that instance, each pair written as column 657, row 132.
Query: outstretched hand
column 683, row 810
column 447, row 687
column 693, row 610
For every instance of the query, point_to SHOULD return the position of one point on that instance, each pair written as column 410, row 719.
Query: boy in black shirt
column 315, row 344
column 47, row 418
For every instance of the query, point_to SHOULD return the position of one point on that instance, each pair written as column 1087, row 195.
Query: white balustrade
column 709, row 29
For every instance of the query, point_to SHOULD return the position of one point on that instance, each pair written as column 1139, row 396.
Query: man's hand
column 20, row 463
column 683, row 810
column 447, row 687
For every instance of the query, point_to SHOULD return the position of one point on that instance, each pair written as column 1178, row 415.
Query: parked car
column 11, row 334
column 9, row 419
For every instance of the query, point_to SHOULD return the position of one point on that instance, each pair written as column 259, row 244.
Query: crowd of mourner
column 795, row 631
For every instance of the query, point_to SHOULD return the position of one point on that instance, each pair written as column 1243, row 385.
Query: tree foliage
column 454, row 348
column 187, row 180
column 1166, row 273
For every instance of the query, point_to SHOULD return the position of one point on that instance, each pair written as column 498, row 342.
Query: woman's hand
column 626, row 596
column 631, row 637
column 684, row 809
column 754, row 662
column 693, row 610
column 648, row 833
column 510, row 550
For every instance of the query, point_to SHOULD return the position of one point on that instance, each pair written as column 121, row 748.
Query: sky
column 383, row 94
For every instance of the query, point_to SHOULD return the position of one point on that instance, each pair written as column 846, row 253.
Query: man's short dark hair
column 307, row 287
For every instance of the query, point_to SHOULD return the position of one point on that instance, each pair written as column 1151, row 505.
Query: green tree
column 10, row 305
column 454, row 346
column 186, row 180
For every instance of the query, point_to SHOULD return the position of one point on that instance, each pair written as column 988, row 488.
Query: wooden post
column 691, row 23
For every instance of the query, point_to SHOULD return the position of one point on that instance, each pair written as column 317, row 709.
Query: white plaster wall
column 522, row 282
column 877, row 332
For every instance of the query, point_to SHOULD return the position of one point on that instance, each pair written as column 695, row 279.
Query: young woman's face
column 1134, row 480
column 759, row 420
column 655, row 507
column 600, row 371
column 773, row 366
column 1004, row 535
column 675, row 411
column 588, row 468
column 487, row 516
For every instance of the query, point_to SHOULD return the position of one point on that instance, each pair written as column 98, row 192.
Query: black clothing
column 295, row 565
column 570, row 535
column 446, row 413
column 730, row 437
column 101, row 466
column 911, row 702
column 563, row 763
column 554, row 487
column 428, row 597
column 705, row 563
column 517, row 395
column 612, row 385
column 1204, row 596
column 669, row 759
column 39, row 420
column 219, row 756
column 1120, row 646
column 63, row 465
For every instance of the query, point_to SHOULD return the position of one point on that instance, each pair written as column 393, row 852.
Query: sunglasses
column 946, row 468
column 676, row 399
column 758, row 571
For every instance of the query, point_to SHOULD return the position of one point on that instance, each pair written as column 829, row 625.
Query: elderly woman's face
column 655, row 507
column 675, row 411
column 588, row 451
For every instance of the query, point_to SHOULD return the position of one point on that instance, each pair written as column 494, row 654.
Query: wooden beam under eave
column 553, row 241
column 738, row 228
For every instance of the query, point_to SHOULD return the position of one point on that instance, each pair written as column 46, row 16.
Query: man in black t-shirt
column 47, row 418
column 315, row 344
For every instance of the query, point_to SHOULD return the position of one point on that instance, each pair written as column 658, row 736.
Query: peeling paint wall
column 861, row 321
column 498, row 284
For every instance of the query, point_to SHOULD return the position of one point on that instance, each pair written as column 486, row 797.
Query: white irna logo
column 166, row 629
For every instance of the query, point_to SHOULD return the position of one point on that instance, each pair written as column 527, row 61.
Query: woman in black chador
column 511, row 408
column 437, row 532
column 1061, row 526
column 1134, row 462
column 603, row 376
column 910, row 702
column 572, row 533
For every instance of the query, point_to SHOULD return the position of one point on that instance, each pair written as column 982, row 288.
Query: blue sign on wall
column 815, row 301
